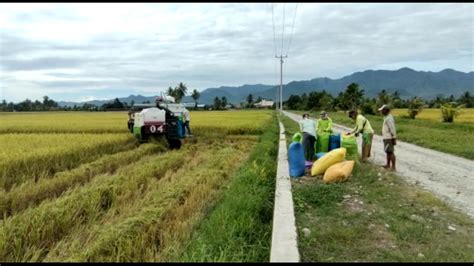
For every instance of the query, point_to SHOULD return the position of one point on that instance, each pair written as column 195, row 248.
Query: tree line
column 48, row 104
column 354, row 98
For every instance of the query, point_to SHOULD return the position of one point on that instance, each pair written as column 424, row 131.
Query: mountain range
column 406, row 81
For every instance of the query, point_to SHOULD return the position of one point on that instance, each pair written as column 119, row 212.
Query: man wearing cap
column 324, row 124
column 308, row 127
column 362, row 126
column 389, row 136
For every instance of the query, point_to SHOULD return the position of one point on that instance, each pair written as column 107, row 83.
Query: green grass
column 396, row 221
column 238, row 228
column 457, row 138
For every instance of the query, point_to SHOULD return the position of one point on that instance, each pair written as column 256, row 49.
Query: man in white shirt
column 389, row 136
column 186, row 122
column 308, row 127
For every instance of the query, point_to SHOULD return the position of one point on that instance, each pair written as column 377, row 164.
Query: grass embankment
column 455, row 138
column 376, row 217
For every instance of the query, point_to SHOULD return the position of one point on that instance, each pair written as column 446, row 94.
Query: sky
column 88, row 51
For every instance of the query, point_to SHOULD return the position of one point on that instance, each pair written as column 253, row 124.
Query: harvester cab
column 160, row 119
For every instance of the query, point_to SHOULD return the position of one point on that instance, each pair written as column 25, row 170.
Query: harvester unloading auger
column 161, row 119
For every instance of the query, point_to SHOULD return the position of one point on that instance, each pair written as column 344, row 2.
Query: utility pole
column 281, row 80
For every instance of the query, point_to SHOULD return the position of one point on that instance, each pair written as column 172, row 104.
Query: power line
column 274, row 36
column 283, row 29
column 292, row 27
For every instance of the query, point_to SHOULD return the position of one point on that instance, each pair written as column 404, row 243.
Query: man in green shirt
column 324, row 124
column 362, row 126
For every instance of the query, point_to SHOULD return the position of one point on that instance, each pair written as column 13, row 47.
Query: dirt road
column 448, row 176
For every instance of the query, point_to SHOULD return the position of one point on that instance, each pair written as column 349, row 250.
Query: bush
column 368, row 108
column 415, row 106
column 449, row 111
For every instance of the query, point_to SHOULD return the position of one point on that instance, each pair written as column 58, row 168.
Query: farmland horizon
column 451, row 73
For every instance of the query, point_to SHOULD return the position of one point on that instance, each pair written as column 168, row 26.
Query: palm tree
column 383, row 98
column 250, row 100
column 180, row 91
column 217, row 103
column 170, row 92
column 223, row 102
column 195, row 95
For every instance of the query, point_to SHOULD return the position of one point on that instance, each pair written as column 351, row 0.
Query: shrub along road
column 448, row 176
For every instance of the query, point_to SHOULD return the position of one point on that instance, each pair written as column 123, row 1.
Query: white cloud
column 147, row 47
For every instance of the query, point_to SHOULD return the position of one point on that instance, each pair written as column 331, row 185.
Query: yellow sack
column 330, row 158
column 338, row 172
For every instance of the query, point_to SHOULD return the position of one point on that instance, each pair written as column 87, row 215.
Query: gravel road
column 448, row 176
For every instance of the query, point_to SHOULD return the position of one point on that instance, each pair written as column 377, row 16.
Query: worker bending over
column 362, row 126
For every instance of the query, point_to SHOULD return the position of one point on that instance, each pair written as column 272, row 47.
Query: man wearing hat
column 389, row 136
column 324, row 124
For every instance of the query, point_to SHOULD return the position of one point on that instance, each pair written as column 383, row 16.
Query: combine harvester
column 158, row 120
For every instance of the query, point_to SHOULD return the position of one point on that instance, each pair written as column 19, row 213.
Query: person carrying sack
column 362, row 126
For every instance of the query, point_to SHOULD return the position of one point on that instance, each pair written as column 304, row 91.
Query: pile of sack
column 335, row 155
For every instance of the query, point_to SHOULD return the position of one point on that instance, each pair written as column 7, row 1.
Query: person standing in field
column 362, row 126
column 324, row 124
column 308, row 127
column 187, row 119
column 389, row 136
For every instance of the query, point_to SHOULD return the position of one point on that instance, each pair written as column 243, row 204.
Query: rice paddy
column 76, row 187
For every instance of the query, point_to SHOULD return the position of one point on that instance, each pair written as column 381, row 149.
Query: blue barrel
column 296, row 160
column 334, row 141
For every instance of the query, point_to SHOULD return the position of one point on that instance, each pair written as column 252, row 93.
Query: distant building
column 264, row 104
column 189, row 105
column 192, row 105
